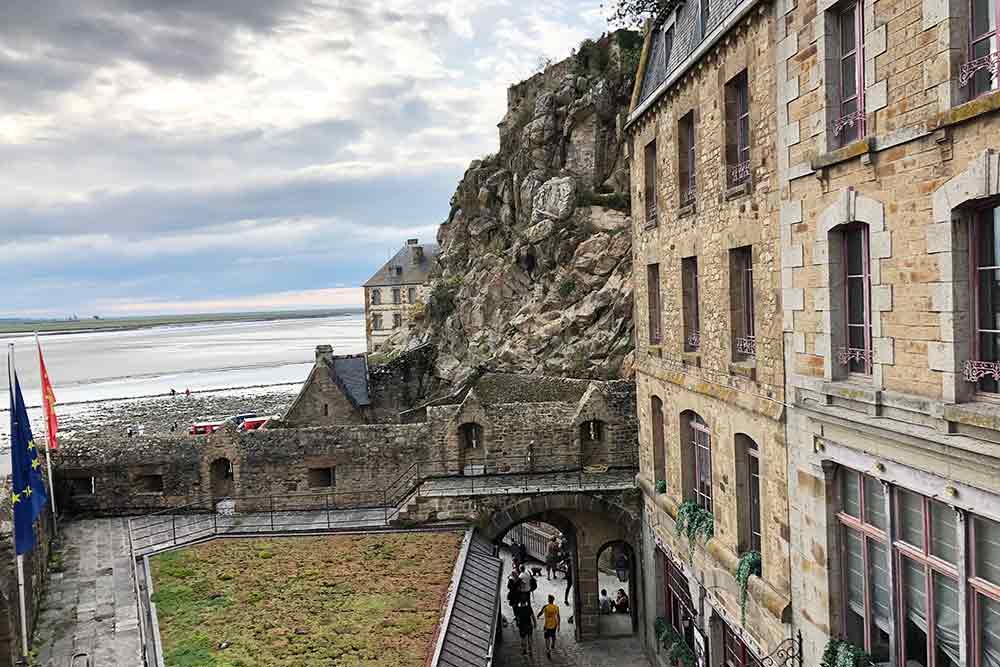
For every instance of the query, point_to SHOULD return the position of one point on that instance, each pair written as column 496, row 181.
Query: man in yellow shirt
column 551, row 625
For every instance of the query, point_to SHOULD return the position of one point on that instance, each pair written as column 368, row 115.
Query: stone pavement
column 89, row 607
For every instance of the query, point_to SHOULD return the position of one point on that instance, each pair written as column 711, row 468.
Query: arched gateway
column 589, row 523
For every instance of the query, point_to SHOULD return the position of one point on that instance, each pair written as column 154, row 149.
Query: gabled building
column 396, row 293
column 709, row 360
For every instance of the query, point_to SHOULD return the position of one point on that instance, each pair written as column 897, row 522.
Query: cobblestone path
column 89, row 606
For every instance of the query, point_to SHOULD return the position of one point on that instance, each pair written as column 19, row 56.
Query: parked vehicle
column 253, row 423
column 204, row 428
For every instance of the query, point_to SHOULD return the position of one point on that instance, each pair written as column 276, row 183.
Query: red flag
column 49, row 401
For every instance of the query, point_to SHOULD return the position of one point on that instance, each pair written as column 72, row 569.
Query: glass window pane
column 874, row 503
column 855, row 300
column 983, row 17
column 878, row 565
column 945, row 621
column 847, row 37
column 989, row 299
column 987, row 238
column 943, row 532
column 911, row 518
column 848, row 77
column 987, row 550
column 850, row 492
column 989, row 637
column 915, row 622
column 855, row 570
column 855, row 252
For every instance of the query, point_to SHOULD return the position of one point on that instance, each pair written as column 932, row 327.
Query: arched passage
column 222, row 478
column 616, row 564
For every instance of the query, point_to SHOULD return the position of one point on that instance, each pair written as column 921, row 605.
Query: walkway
column 89, row 606
column 624, row 652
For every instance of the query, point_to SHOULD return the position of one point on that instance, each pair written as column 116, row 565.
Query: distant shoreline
column 13, row 326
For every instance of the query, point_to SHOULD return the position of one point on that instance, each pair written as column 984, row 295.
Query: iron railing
column 319, row 512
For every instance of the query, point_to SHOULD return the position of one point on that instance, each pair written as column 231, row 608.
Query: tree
column 633, row 13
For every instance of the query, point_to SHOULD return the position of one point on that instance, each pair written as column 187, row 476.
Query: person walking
column 605, row 602
column 569, row 583
column 525, row 584
column 525, row 620
column 552, row 559
column 551, row 624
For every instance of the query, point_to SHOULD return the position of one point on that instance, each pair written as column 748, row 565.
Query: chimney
column 412, row 241
column 324, row 353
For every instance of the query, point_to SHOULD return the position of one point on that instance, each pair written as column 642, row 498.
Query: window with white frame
column 857, row 354
column 984, row 366
column 376, row 322
column 849, row 109
column 686, row 159
column 742, row 303
column 982, row 71
column 698, row 460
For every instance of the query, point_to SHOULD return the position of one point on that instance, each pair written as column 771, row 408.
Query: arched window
column 659, row 453
column 470, row 435
column 376, row 296
column 592, row 431
column 696, row 449
column 748, row 492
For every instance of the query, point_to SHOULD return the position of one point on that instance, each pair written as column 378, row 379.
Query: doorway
column 618, row 591
column 222, row 478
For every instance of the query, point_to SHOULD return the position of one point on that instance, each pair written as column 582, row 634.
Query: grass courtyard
column 304, row 601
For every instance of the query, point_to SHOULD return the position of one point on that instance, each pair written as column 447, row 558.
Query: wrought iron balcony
column 651, row 215
column 739, row 173
column 747, row 345
column 975, row 370
column 989, row 62
column 850, row 120
column 694, row 341
column 848, row 354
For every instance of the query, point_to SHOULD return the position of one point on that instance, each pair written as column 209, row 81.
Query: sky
column 182, row 156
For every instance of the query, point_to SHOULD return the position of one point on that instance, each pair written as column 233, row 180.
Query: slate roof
column 686, row 38
column 412, row 272
column 351, row 374
column 469, row 626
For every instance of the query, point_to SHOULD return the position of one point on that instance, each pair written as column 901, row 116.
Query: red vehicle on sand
column 204, row 428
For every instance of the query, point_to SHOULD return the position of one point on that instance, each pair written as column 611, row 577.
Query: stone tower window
column 653, row 299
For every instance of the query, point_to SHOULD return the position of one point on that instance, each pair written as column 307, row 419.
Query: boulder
column 554, row 200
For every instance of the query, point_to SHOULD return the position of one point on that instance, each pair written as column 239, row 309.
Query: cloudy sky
column 162, row 156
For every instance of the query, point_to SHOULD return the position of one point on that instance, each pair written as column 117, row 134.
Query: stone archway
column 618, row 558
column 221, row 471
column 594, row 522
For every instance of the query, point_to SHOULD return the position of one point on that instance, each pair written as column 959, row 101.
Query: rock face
column 535, row 264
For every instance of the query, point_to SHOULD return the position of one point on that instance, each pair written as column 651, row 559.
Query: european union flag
column 28, row 488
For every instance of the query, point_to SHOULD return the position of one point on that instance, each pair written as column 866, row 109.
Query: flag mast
column 20, row 557
column 48, row 443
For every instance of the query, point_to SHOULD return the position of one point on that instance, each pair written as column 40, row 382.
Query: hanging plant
column 840, row 653
column 660, row 627
column 694, row 522
column 749, row 564
column 661, row 486
column 677, row 650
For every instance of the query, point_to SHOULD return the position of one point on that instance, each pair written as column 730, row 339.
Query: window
column 738, row 130
column 983, row 68
column 326, row 409
column 668, row 45
column 985, row 584
column 395, row 295
column 679, row 608
column 148, row 484
column 850, row 109
column 592, row 431
column 411, row 295
column 698, row 464
column 82, row 486
column 857, row 356
column 377, row 322
column 735, row 652
column 984, row 368
column 686, row 162
column 748, row 484
column 689, row 299
column 742, row 302
column 653, row 296
column 659, row 449
column 703, row 15
column 471, row 435
column 376, row 297
column 397, row 320
column 322, row 478
column 650, row 173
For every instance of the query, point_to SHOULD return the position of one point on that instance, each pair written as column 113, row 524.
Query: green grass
column 297, row 602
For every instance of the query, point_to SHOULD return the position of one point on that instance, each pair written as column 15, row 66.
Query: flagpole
column 48, row 442
column 13, row 523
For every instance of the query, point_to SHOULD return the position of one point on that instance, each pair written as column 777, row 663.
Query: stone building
column 709, row 361
column 889, row 168
column 396, row 293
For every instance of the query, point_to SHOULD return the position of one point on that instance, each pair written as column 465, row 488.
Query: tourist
column 552, row 559
column 621, row 601
column 551, row 625
column 525, row 578
column 569, row 583
column 605, row 602
column 513, row 588
column 525, row 620
column 522, row 554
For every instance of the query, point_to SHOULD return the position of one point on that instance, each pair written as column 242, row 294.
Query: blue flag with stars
column 27, row 493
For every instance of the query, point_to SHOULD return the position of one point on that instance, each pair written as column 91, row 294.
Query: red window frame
column 987, row 63
column 987, row 366
column 857, row 359
column 679, row 608
column 701, row 460
column 753, row 491
column 850, row 124
column 654, row 303
column 734, row 652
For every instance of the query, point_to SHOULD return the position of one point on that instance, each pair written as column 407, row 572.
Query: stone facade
column 902, row 418
column 721, row 370
column 395, row 295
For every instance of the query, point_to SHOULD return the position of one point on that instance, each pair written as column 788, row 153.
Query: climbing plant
column 840, row 653
column 677, row 650
column 661, row 486
column 694, row 521
column 749, row 564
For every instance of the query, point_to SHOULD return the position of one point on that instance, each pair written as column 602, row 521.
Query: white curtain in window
column 854, row 545
column 988, row 550
column 990, row 637
column 915, row 593
column 946, row 616
column 879, row 569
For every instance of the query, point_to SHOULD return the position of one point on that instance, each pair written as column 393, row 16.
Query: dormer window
column 399, row 270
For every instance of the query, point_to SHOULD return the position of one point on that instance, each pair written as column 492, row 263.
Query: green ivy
column 749, row 564
column 678, row 652
column 661, row 486
column 841, row 653
column 694, row 522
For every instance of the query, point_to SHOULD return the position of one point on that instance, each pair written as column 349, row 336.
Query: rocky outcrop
column 534, row 273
